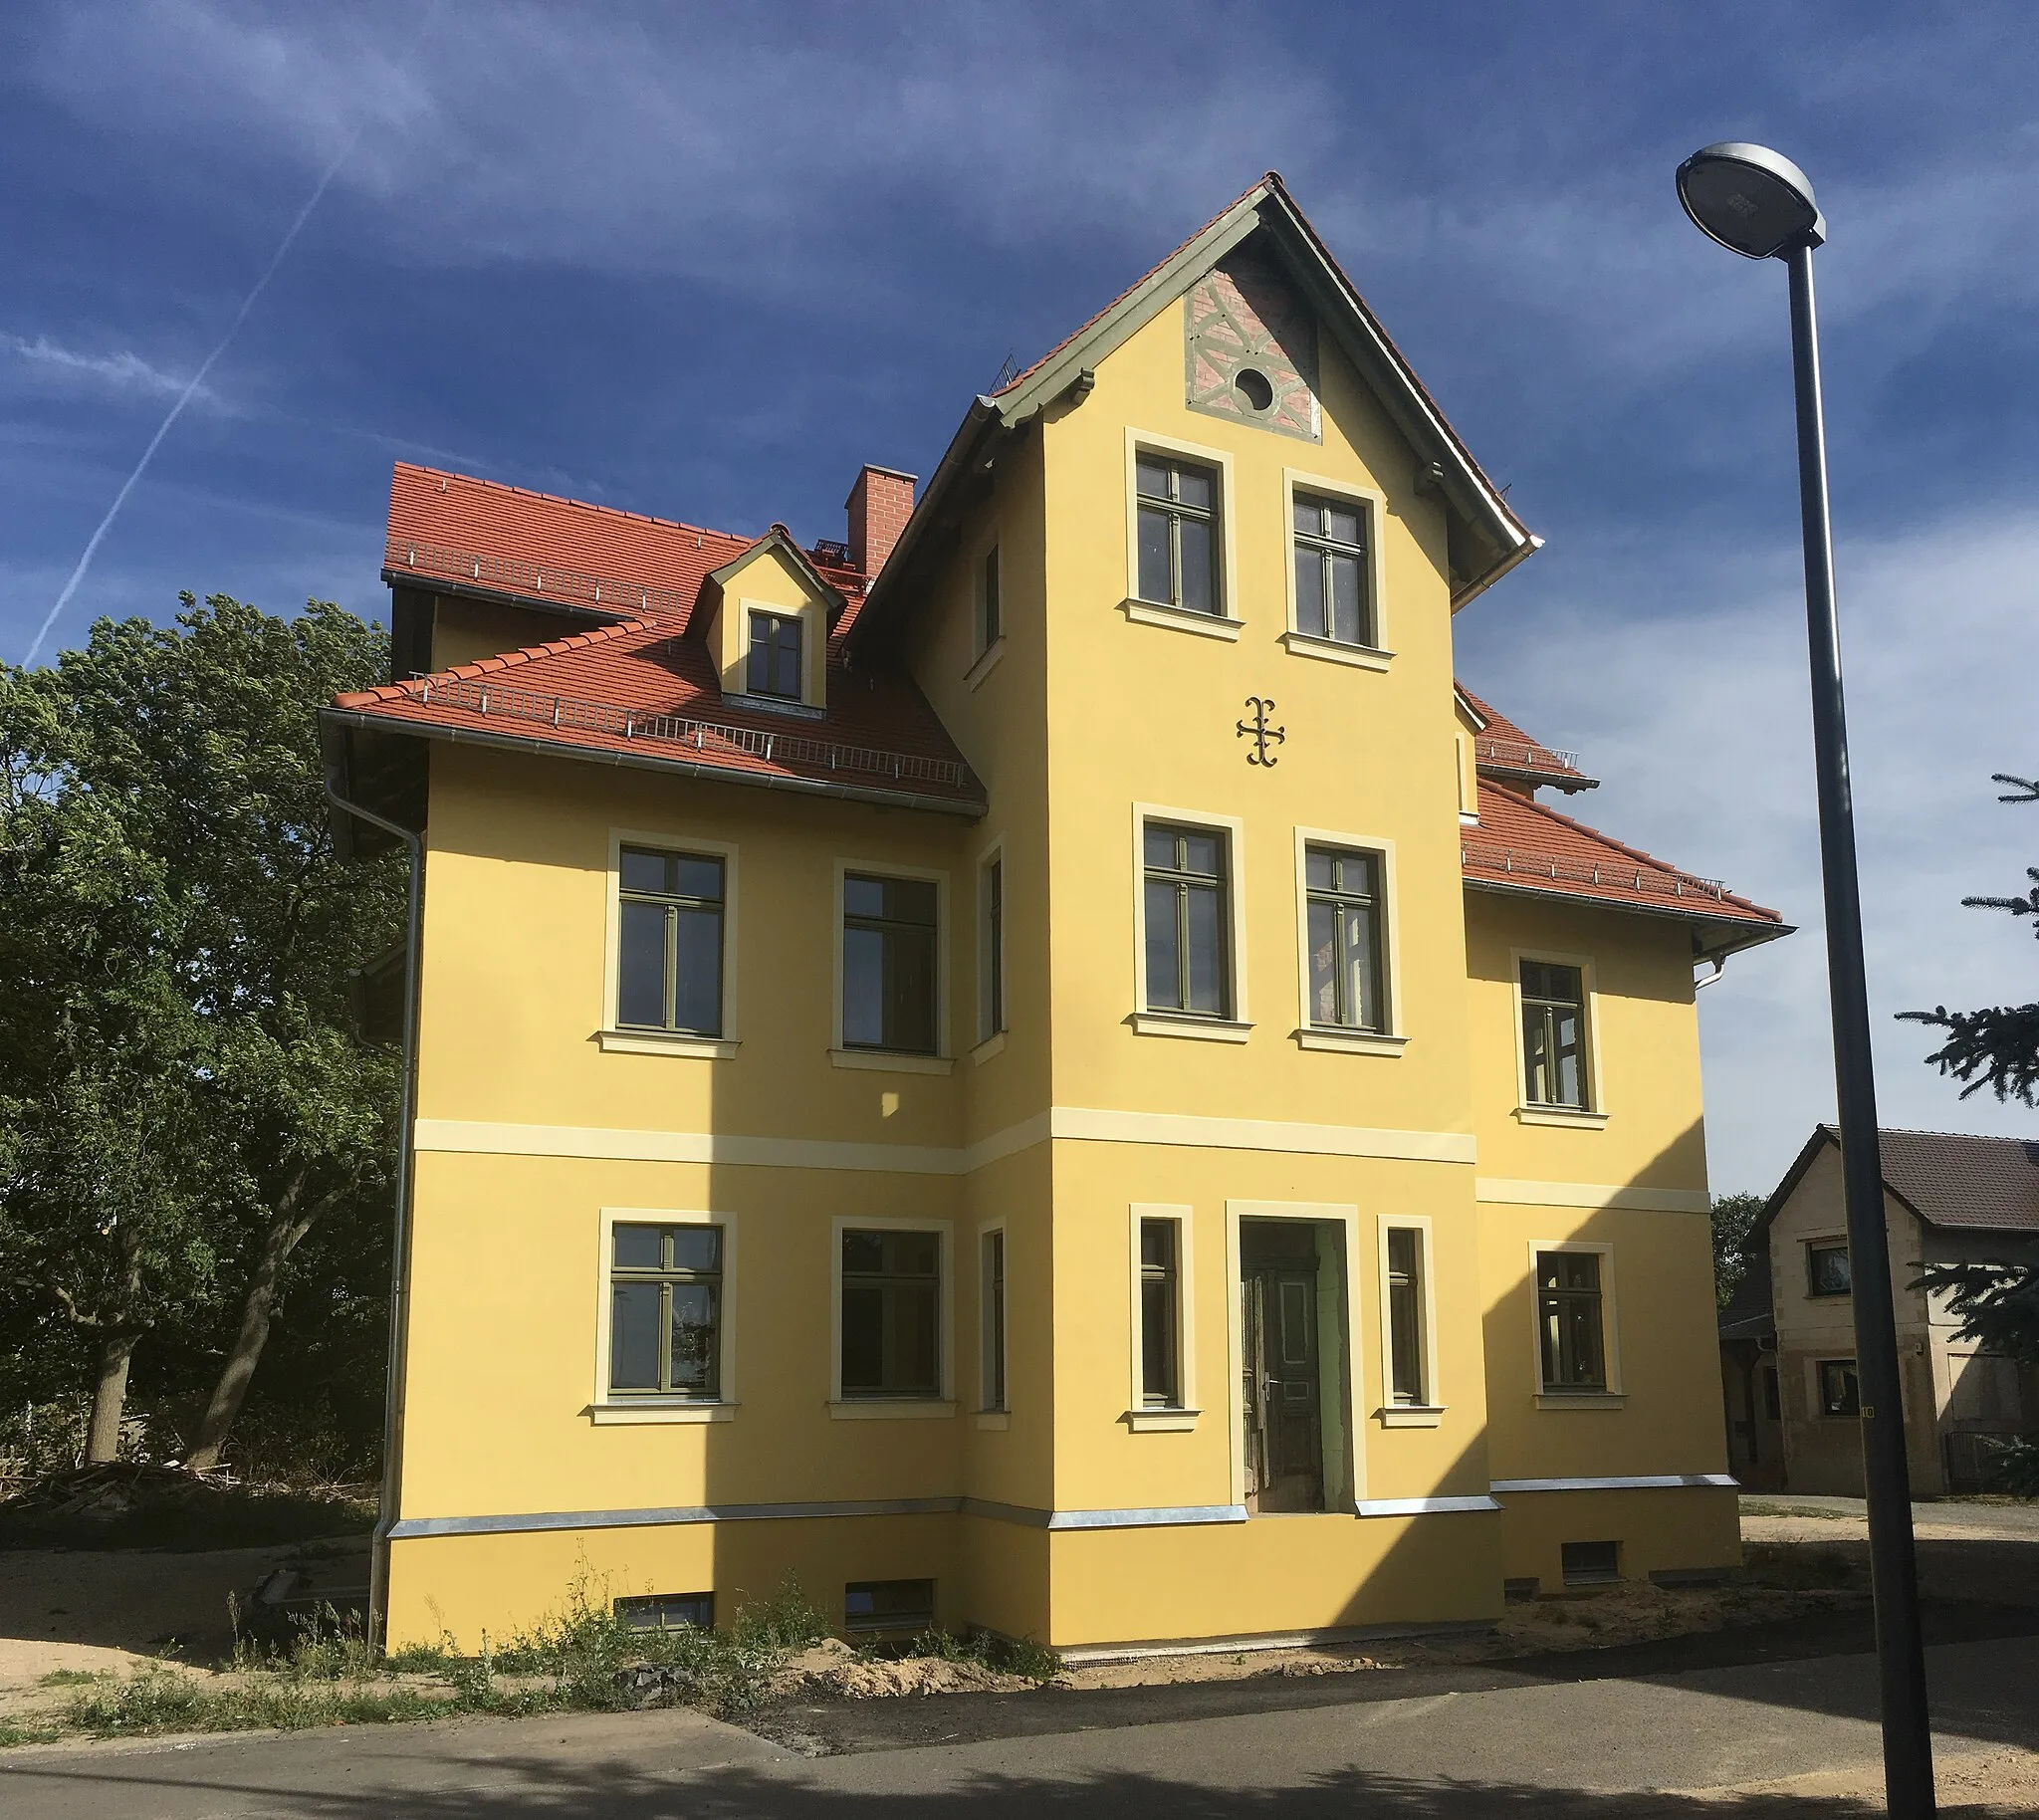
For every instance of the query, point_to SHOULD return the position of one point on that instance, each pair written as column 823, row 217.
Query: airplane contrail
column 183, row 398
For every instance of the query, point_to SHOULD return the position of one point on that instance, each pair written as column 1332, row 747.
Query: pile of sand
column 832, row 1667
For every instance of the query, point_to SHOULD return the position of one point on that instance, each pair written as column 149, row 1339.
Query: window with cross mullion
column 669, row 972
column 1330, row 571
column 1344, row 915
column 1188, row 942
column 1178, row 534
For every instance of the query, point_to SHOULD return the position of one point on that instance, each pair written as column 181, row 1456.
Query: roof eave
column 1746, row 934
column 444, row 589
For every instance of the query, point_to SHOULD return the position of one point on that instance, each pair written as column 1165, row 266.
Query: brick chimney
column 878, row 505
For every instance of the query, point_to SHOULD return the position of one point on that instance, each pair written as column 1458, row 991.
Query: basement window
column 1590, row 1564
column 668, row 1611
column 879, row 1608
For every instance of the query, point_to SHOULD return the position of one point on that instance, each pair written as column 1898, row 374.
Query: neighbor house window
column 1840, row 1390
column 1160, row 1340
column 665, row 1312
column 891, row 1314
column 1826, row 1269
column 889, row 991
column 991, row 615
column 1178, row 533
column 1570, row 1321
column 990, row 947
column 669, row 957
column 775, row 661
column 1330, row 571
column 1344, row 921
column 1187, row 944
column 992, row 1315
column 1554, row 1034
column 1406, row 1349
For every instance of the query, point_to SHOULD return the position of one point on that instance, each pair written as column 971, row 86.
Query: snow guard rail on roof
column 707, row 737
column 506, row 576
column 1489, row 857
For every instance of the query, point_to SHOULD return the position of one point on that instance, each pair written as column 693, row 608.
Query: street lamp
column 1757, row 203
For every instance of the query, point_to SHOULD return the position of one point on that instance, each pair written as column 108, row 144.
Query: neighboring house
column 1787, row 1338
column 1040, row 1065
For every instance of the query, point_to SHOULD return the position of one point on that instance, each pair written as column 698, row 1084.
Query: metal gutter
column 685, row 768
column 1758, row 933
column 443, row 587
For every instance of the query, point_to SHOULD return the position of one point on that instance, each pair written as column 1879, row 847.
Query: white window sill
column 886, row 1062
column 621, row 1413
column 887, row 1409
column 986, row 662
column 1182, row 619
column 1332, row 650
column 1161, row 1421
column 1580, row 1399
column 994, row 1419
column 992, row 1045
column 1352, row 1042
column 656, row 1043
column 1182, row 1023
column 777, row 704
column 1577, row 1119
column 1468, row 819
column 1411, row 1415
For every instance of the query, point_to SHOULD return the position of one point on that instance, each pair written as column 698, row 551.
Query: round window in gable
column 1254, row 390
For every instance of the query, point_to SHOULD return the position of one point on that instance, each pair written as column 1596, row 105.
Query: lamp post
column 1757, row 203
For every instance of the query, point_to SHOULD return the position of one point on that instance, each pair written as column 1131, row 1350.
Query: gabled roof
column 1523, row 846
column 1948, row 1178
column 1487, row 538
column 777, row 541
column 1501, row 749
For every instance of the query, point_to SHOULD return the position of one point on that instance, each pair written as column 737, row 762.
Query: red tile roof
column 1503, row 749
column 637, row 688
column 1523, row 845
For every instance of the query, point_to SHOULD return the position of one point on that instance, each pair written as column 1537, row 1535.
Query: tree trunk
column 110, row 1397
column 256, row 1308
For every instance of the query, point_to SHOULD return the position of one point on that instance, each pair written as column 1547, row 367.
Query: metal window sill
column 1410, row 1415
column 655, row 1042
column 992, row 1045
column 1182, row 619
column 1349, row 1042
column 1207, row 1029
column 1332, row 650
column 1576, row 1117
column 994, row 1419
column 987, row 661
column 618, row 1414
column 888, row 1061
column 1161, row 1421
column 887, row 1409
column 1580, row 1399
column 777, row 704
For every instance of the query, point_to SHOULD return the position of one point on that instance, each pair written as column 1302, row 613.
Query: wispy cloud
column 125, row 371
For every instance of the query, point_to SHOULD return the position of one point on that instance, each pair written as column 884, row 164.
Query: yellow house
column 1041, row 1066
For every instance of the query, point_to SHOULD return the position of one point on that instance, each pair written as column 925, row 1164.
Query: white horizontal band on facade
column 1422, row 1506
column 1611, row 1195
column 475, row 1137
column 1641, row 1482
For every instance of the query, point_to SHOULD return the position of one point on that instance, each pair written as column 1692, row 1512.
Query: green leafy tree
column 1996, row 1303
column 195, row 944
column 1734, row 1216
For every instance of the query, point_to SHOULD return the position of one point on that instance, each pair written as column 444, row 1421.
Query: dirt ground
column 1974, row 1785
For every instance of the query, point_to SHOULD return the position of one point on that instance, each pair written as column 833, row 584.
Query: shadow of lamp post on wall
column 1757, row 203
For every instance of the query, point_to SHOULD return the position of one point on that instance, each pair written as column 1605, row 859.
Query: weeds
column 1003, row 1655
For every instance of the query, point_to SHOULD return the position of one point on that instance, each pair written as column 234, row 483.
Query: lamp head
column 1752, row 200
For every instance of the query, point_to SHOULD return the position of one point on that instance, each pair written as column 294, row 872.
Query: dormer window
column 775, row 656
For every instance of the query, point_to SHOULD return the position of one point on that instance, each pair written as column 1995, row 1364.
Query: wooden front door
column 1282, row 1375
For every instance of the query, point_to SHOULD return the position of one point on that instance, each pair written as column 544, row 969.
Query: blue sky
column 704, row 261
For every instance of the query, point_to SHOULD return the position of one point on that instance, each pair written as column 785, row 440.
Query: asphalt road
column 1517, row 1742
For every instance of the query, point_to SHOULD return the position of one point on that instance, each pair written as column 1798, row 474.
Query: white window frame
column 866, row 1409
column 1428, row 1412
column 609, row 1035
column 991, row 1415
column 1613, row 1397
column 1372, row 507
column 608, row 1411
column 1225, row 622
column 1141, row 1416
column 1394, row 1040
column 1593, row 1116
column 1237, row 1027
column 990, row 1042
column 885, row 1062
column 1345, row 1214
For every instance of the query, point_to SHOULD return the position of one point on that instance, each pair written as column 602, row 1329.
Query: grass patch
column 12, row 1733
column 1793, row 1568
column 70, row 1678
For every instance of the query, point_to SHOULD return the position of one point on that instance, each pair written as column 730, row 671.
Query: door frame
column 1346, row 1216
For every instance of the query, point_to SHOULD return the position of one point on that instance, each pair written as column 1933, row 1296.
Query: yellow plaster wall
column 1660, row 1531
column 768, row 578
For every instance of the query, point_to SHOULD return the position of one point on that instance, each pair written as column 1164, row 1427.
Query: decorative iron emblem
column 1260, row 732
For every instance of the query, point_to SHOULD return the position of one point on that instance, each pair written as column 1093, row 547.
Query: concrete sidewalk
column 1520, row 1745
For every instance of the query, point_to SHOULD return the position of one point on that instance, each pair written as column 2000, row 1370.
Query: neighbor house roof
column 1948, row 1178
column 1750, row 1314
column 1520, row 845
